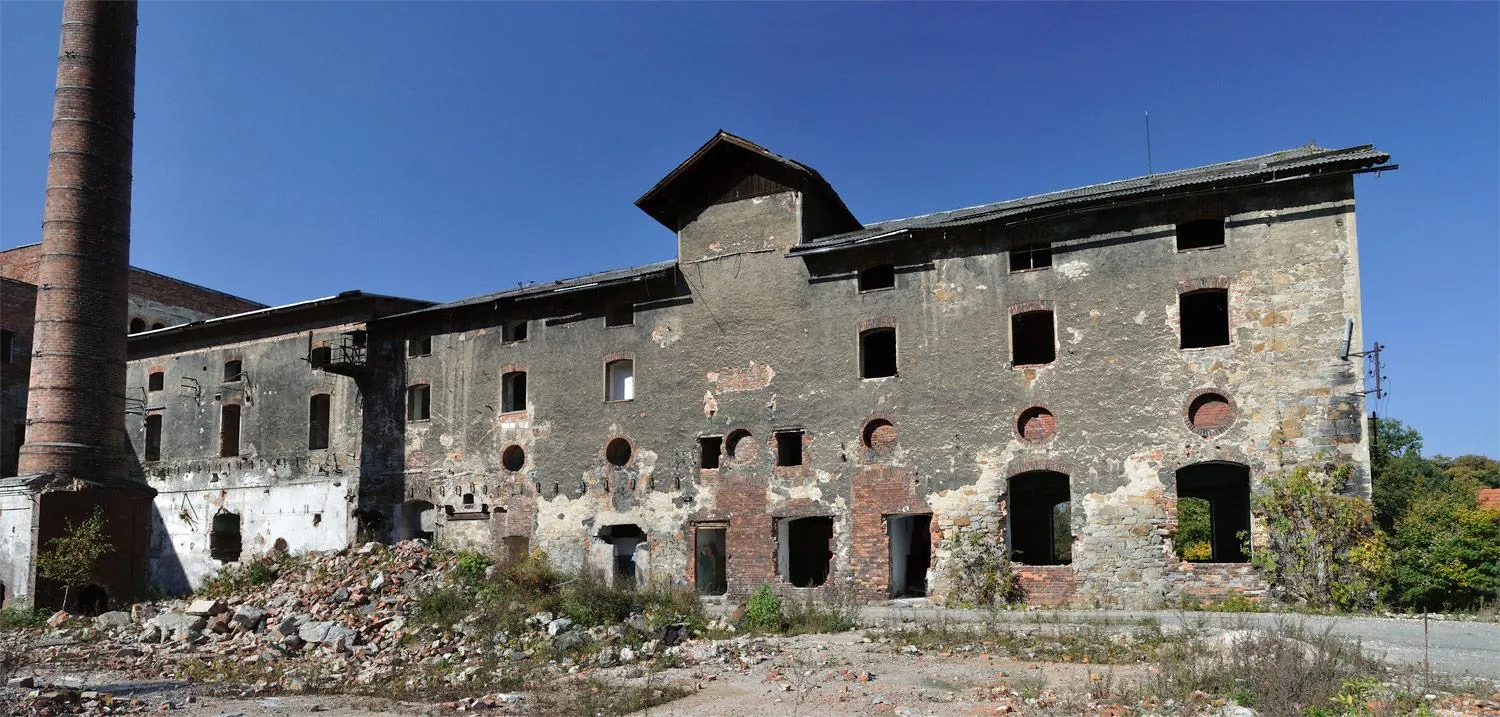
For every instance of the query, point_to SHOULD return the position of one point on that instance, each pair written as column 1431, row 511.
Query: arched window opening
column 1213, row 513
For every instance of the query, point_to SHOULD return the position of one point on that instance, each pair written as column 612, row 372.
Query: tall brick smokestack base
column 76, row 402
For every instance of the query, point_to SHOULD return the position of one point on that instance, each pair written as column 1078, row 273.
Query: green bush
column 1446, row 553
column 1324, row 549
column 979, row 575
column 18, row 618
column 471, row 566
column 444, row 606
column 763, row 611
column 236, row 577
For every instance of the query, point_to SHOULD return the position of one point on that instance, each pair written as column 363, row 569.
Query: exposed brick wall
column 750, row 539
column 1048, row 585
column 17, row 308
column 878, row 491
column 76, row 399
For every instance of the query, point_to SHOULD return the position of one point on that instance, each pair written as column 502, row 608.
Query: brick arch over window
column 1208, row 282
column 1026, row 307
column 1028, row 464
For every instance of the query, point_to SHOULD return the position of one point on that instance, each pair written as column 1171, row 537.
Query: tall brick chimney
column 76, row 402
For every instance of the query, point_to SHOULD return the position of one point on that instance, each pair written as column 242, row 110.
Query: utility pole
column 1378, row 393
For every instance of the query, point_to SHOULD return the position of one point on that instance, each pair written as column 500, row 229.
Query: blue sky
column 439, row 150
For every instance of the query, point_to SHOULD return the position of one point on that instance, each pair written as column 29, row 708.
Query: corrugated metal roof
column 1286, row 164
column 577, row 283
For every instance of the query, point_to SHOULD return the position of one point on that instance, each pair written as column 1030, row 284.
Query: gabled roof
column 724, row 155
column 1277, row 166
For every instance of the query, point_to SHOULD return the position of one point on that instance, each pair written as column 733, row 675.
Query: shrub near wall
column 1324, row 549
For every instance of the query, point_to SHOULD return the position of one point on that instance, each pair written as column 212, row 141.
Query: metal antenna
column 1149, row 170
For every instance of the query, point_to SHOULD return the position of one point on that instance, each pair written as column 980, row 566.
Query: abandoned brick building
column 800, row 399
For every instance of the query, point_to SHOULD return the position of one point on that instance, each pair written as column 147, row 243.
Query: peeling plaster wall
column 277, row 485
column 17, row 534
column 751, row 339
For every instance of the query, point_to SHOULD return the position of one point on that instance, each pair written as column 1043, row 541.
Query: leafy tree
column 1447, row 551
column 1481, row 471
column 1194, row 529
column 69, row 558
column 1400, row 471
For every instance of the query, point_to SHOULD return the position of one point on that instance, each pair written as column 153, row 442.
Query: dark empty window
column 1200, row 234
column 7, row 345
column 229, row 430
column 877, row 353
column 788, row 448
column 1213, row 513
column 513, row 391
column 1031, row 257
column 619, row 315
column 320, row 356
column 224, row 542
column 1041, row 519
column 1031, row 338
column 618, row 452
column 137, row 325
column 513, row 458
column 710, row 448
column 153, row 437
column 1205, row 318
column 710, row 571
column 317, row 421
column 419, row 346
column 881, row 276
column 232, row 371
column 514, row 331
column 155, row 381
column 158, row 326
column 806, row 550
column 417, row 402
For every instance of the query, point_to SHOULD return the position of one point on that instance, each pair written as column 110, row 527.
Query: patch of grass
column 1284, row 670
column 21, row 618
column 444, row 606
column 244, row 575
column 597, row 697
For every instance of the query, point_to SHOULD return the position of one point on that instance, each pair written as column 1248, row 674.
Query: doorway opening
column 624, row 539
column 711, row 575
column 806, row 550
column 911, row 554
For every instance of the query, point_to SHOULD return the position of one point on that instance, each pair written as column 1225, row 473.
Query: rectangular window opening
column 1213, row 513
column 1200, row 234
column 911, row 554
column 877, row 353
column 710, row 449
column 153, row 437
column 7, row 346
column 417, row 402
column 224, row 544
column 1205, row 318
column 619, row 315
column 232, row 371
column 712, row 575
column 419, row 346
column 789, row 448
column 229, row 430
column 1041, row 531
column 619, row 380
column 513, row 391
column 514, row 331
column 1031, row 257
column 880, row 276
column 155, row 381
column 806, row 550
column 1033, row 339
column 317, row 421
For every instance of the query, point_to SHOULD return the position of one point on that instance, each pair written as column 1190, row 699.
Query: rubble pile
column 345, row 620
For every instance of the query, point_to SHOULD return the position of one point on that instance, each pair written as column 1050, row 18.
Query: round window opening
column 738, row 445
column 1036, row 424
column 879, row 436
column 618, row 452
column 1210, row 414
column 514, row 458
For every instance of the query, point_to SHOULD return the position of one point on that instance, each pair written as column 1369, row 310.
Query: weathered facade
column 802, row 400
